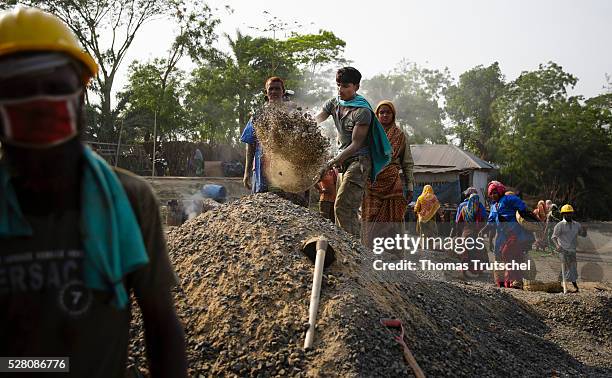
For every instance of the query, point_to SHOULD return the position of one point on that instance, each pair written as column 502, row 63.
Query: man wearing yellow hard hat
column 76, row 237
column 565, row 236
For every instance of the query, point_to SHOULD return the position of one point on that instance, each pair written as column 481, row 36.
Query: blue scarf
column 111, row 235
column 380, row 148
column 471, row 208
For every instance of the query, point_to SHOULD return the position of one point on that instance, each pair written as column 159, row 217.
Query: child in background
column 327, row 194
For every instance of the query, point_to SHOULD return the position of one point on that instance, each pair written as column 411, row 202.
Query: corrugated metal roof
column 436, row 158
column 421, row 169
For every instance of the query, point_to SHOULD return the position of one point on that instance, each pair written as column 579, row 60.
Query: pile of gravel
column 245, row 290
column 578, row 323
column 294, row 148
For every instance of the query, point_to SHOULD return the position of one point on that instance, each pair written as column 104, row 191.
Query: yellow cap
column 567, row 208
column 32, row 30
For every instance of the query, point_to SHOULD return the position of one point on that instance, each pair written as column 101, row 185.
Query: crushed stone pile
column 245, row 291
column 293, row 145
column 579, row 324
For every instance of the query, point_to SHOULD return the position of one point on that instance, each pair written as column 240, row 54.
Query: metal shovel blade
column 309, row 248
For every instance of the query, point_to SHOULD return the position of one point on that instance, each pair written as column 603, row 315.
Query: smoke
column 315, row 88
column 192, row 206
column 197, row 204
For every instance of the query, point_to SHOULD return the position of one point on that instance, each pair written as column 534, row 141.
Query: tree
column 556, row 146
column 469, row 105
column 221, row 93
column 154, row 95
column 528, row 98
column 156, row 86
column 317, row 57
column 211, row 104
column 416, row 93
column 250, row 63
column 94, row 21
column 315, row 50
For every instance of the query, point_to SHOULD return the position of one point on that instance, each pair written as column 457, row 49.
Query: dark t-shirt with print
column 46, row 309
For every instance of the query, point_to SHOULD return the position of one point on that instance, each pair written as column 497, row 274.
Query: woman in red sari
column 384, row 203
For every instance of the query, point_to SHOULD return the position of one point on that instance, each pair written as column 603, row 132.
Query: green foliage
column 317, row 56
column 153, row 97
column 557, row 146
column 469, row 105
column 416, row 93
column 211, row 104
column 90, row 20
column 246, row 68
column 315, row 50
column 222, row 92
column 531, row 93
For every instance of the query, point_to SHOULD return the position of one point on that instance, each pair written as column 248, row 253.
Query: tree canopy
column 416, row 93
column 107, row 29
column 469, row 105
column 555, row 145
column 215, row 100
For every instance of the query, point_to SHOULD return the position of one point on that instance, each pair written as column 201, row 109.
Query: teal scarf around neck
column 111, row 235
column 380, row 148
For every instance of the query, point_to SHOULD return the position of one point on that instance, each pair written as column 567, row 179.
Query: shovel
column 322, row 254
column 396, row 323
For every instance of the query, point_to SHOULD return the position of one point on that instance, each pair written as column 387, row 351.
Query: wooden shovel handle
column 418, row 373
column 316, row 292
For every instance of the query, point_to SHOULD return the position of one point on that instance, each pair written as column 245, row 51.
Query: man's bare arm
column 360, row 133
column 248, row 165
column 321, row 116
column 555, row 240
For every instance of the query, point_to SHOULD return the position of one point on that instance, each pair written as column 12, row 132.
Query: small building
column 450, row 170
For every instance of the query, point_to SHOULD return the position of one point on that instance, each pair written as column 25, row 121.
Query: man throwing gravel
column 364, row 147
column 76, row 237
column 256, row 162
column 254, row 178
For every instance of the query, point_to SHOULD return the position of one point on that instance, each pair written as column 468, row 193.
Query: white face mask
column 40, row 121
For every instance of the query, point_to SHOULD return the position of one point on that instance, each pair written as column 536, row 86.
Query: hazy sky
column 458, row 34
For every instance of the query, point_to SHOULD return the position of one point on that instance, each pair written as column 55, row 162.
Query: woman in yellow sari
column 426, row 207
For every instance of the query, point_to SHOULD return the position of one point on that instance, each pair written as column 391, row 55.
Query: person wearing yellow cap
column 565, row 236
column 76, row 236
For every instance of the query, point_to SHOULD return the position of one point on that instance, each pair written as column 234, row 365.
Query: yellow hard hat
column 33, row 30
column 567, row 208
